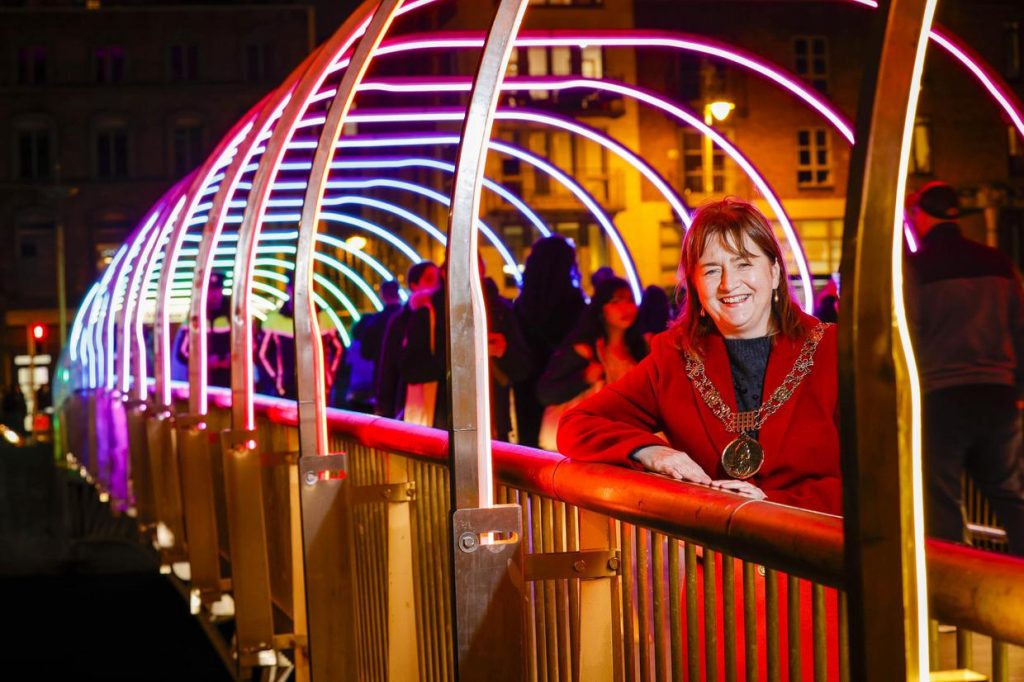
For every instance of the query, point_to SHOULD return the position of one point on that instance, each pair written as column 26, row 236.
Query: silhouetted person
column 547, row 309
column 422, row 279
column 967, row 309
column 653, row 314
column 218, row 338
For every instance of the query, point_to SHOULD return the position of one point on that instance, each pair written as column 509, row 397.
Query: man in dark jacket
column 425, row 351
column 967, row 309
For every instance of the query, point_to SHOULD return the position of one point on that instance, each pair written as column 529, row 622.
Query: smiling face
column 734, row 284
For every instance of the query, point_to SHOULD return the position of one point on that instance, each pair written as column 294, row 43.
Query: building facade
column 103, row 107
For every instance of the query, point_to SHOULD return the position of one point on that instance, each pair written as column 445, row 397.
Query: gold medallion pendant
column 743, row 457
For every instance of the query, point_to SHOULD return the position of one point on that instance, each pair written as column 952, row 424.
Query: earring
column 775, row 296
column 702, row 311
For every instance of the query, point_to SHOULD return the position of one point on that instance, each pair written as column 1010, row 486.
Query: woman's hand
column 744, row 488
column 664, row 460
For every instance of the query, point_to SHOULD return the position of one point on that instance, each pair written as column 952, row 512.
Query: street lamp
column 717, row 110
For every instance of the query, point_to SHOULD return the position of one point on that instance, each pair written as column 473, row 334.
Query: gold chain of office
column 742, row 422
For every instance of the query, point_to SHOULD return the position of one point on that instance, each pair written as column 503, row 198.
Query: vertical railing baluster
column 819, row 625
column 562, row 597
column 692, row 624
column 964, row 654
column 540, row 600
column 572, row 533
column 1000, row 661
column 710, row 617
column 658, row 611
column 729, row 616
column 750, row 620
column 844, row 639
column 643, row 599
column 675, row 594
column 793, row 621
column 771, row 623
column 628, row 605
column 550, row 607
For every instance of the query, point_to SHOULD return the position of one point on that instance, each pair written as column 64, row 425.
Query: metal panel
column 196, row 452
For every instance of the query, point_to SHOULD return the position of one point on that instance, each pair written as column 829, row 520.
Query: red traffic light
column 39, row 331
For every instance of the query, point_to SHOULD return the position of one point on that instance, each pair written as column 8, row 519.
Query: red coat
column 800, row 441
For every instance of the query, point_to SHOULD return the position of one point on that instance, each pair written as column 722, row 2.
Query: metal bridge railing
column 616, row 562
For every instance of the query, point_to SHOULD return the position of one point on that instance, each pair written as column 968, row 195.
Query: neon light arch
column 647, row 97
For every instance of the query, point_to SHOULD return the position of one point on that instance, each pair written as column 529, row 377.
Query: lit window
column 34, row 150
column 822, row 242
column 810, row 60
column 109, row 64
column 692, row 159
column 921, row 147
column 111, row 144
column 186, row 144
column 814, row 164
column 31, row 65
column 183, row 62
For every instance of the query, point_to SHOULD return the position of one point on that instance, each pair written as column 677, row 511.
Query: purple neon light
column 544, row 118
column 634, row 39
column 557, row 83
column 989, row 81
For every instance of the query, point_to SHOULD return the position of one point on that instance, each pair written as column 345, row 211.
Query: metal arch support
column 328, row 559
column 252, row 219
column 487, row 573
column 881, row 459
column 140, row 391
column 197, row 322
column 243, row 477
column 161, row 342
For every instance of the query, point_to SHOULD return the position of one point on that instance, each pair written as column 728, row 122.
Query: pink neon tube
column 650, row 98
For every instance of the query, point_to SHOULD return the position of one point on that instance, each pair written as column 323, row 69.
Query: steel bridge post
column 880, row 448
column 486, row 541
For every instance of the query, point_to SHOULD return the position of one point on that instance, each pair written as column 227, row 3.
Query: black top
column 748, row 361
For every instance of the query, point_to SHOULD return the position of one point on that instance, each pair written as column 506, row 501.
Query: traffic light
column 38, row 332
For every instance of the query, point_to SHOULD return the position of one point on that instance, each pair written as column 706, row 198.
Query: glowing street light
column 717, row 110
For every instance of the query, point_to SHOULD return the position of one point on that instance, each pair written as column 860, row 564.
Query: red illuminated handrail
column 978, row 590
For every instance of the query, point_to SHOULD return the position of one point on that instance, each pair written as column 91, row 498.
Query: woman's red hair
column 730, row 221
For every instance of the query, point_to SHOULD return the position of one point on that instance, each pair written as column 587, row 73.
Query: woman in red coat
column 743, row 386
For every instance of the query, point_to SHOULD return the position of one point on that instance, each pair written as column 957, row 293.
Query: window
column 557, row 61
column 111, row 144
column 32, row 65
column 259, row 61
column 810, row 60
column 814, row 165
column 35, row 248
column 1016, row 152
column 183, row 62
column 822, row 240
column 1011, row 47
column 109, row 64
column 692, row 159
column 33, row 150
column 670, row 237
column 921, row 147
column 186, row 144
